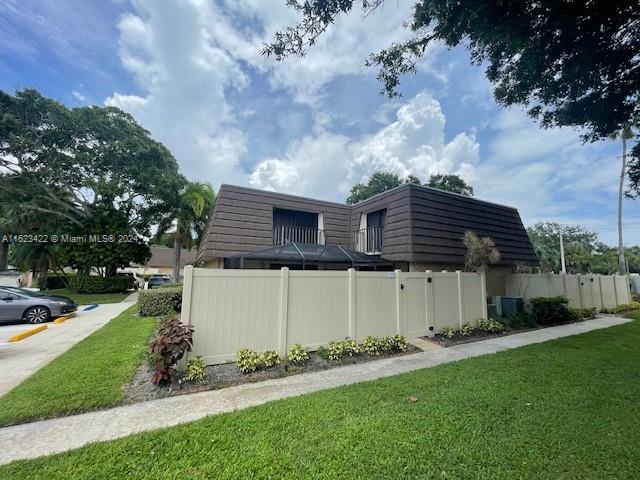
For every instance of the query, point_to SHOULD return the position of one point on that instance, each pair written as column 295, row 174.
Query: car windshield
column 22, row 291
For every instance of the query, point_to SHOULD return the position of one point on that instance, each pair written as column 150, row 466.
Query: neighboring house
column 411, row 227
column 161, row 261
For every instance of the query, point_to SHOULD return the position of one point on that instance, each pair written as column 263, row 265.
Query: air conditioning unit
column 505, row 306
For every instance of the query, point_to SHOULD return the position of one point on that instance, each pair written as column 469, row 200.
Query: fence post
column 429, row 300
column 564, row 285
column 399, row 286
column 627, row 282
column 615, row 289
column 600, row 288
column 185, row 310
column 352, row 303
column 187, row 286
column 284, row 310
column 579, row 277
column 460, row 298
column 483, row 295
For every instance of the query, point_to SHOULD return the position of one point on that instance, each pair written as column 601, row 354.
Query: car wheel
column 37, row 315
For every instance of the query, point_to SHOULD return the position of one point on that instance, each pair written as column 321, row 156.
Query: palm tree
column 625, row 133
column 190, row 215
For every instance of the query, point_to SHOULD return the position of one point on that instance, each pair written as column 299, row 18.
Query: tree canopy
column 83, row 171
column 570, row 63
column 382, row 181
column 584, row 252
column 450, row 183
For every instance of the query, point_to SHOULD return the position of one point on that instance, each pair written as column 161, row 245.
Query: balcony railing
column 369, row 240
column 283, row 234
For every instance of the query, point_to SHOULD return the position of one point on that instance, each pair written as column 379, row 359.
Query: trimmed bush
column 447, row 332
column 467, row 329
column 550, row 311
column 352, row 348
column 297, row 354
column 195, row 371
column 518, row 320
column 159, row 301
column 270, row 358
column 96, row 284
column 54, row 282
column 335, row 350
column 622, row 308
column 371, row 346
column 491, row 326
column 582, row 313
column 248, row 360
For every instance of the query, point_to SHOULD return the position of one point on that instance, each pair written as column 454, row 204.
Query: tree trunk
column 4, row 255
column 177, row 250
column 622, row 265
column 42, row 269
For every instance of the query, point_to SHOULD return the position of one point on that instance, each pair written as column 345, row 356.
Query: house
column 411, row 228
column 161, row 261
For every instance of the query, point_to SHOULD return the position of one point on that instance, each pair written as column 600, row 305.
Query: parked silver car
column 32, row 307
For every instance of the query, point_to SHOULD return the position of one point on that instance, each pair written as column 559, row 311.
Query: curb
column 27, row 333
column 64, row 318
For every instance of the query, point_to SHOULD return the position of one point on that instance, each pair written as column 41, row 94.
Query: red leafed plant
column 169, row 345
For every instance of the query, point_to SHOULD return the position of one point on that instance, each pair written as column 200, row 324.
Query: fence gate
column 415, row 301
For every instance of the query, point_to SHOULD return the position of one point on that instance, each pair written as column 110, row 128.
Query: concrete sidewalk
column 21, row 359
column 57, row 435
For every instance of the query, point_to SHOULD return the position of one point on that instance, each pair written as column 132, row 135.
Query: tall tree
column 571, row 63
column 450, row 183
column 80, row 165
column 580, row 246
column 378, row 182
column 624, row 134
column 189, row 215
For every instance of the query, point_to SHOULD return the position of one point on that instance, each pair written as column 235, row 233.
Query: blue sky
column 190, row 72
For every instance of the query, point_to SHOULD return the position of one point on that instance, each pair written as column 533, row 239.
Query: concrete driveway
column 21, row 359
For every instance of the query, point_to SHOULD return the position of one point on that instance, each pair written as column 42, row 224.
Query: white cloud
column 183, row 74
column 78, row 96
column 551, row 175
column 327, row 164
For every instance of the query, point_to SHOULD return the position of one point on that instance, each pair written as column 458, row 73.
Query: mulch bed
column 476, row 336
column 140, row 389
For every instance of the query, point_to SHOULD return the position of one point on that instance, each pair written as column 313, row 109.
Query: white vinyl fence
column 273, row 309
column 583, row 291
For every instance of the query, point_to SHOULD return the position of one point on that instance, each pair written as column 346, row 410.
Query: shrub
column 635, row 298
column 490, row 326
column 297, row 354
column 467, row 329
column 371, row 346
column 169, row 345
column 518, row 320
column 399, row 343
column 195, row 371
column 447, row 332
column 270, row 358
column 96, row 284
column 622, row 308
column 53, row 282
column 550, row 311
column 159, row 301
column 582, row 313
column 248, row 360
column 335, row 350
column 351, row 347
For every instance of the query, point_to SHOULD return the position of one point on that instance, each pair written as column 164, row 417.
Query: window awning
column 308, row 253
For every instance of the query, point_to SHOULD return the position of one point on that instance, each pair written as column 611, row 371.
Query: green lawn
column 563, row 409
column 89, row 375
column 88, row 298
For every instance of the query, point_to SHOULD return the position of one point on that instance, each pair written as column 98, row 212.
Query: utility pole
column 562, row 264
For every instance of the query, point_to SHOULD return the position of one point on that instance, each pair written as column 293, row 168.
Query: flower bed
column 226, row 375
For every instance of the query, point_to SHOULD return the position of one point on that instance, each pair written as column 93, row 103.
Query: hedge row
column 159, row 301
column 96, row 284
column 54, row 281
